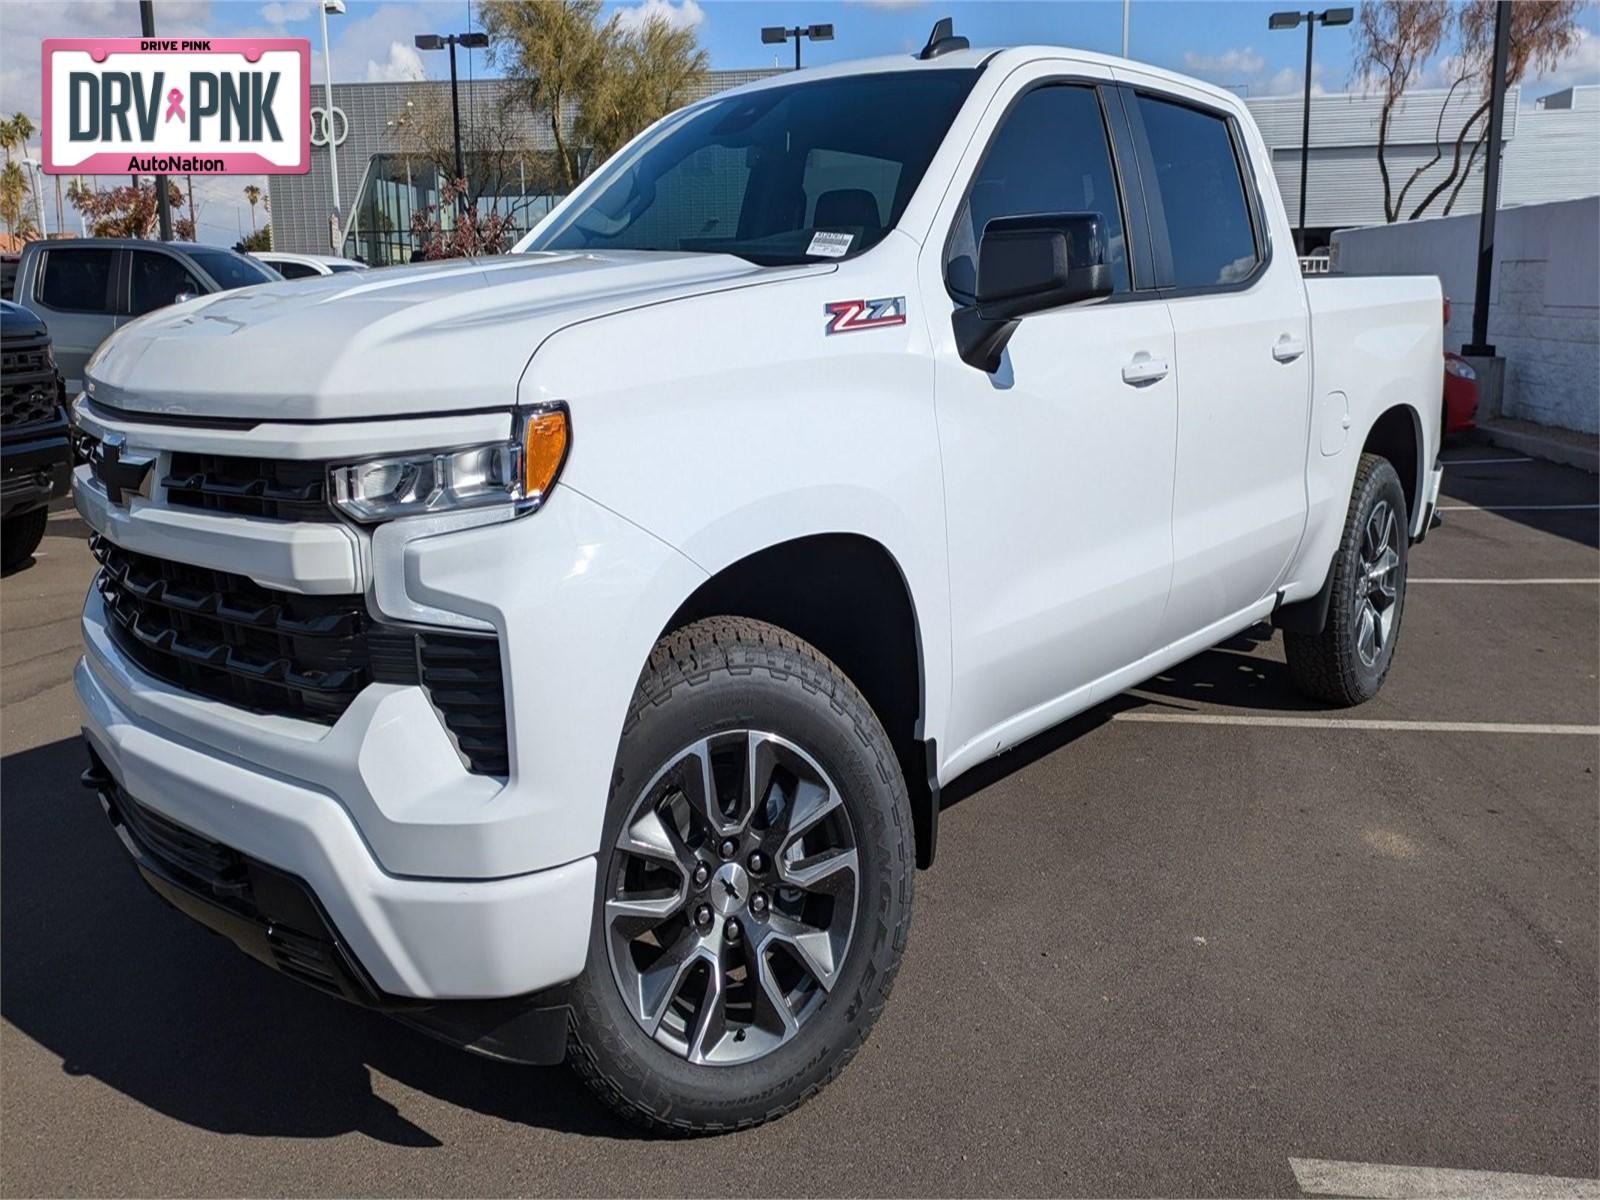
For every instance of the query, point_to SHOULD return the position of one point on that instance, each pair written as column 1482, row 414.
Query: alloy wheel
column 1377, row 584
column 731, row 897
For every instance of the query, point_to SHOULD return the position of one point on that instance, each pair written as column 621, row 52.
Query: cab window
column 76, row 279
column 158, row 279
column 1202, row 193
column 1050, row 155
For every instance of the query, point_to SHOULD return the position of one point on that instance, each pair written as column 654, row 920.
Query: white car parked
column 293, row 265
column 565, row 651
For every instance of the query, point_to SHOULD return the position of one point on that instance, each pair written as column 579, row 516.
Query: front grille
column 225, row 636
column 280, row 489
column 29, row 391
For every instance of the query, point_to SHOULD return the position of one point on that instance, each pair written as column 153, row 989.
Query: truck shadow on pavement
column 101, row 974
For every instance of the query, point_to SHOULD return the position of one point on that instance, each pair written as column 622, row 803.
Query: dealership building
column 1551, row 152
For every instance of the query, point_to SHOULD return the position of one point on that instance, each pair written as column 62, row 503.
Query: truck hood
column 400, row 341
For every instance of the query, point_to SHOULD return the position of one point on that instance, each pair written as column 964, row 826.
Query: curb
column 1565, row 448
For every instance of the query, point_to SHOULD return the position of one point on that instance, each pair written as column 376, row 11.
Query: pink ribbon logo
column 175, row 105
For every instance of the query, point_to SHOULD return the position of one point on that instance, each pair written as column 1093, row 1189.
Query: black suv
column 35, row 441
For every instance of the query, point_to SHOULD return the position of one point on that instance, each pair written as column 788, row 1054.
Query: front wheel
column 755, row 884
column 20, row 537
column 1347, row 662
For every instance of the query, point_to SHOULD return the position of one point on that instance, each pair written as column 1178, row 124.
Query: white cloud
column 1582, row 65
column 1229, row 66
column 26, row 25
column 684, row 15
column 281, row 13
column 403, row 63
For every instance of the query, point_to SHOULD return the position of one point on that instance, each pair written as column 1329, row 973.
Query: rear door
column 74, row 291
column 1240, row 321
column 1058, row 467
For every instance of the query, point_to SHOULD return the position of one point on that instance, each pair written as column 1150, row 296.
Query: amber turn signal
column 546, row 437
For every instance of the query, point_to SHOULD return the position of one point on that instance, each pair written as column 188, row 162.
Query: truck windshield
column 801, row 173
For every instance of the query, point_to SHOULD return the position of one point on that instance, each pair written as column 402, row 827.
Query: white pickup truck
column 565, row 651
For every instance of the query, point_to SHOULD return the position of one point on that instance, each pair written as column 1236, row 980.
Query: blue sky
column 1224, row 41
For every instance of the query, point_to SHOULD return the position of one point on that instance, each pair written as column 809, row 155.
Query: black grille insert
column 279, row 489
column 462, row 678
column 225, row 636
column 30, row 393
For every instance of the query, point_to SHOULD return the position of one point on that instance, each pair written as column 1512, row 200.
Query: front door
column 1058, row 466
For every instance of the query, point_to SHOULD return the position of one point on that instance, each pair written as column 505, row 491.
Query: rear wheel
column 755, row 884
column 1347, row 662
column 20, row 537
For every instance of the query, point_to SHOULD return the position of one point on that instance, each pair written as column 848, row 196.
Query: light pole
column 472, row 41
column 773, row 35
column 147, row 23
column 336, row 7
column 1480, row 345
column 1289, row 20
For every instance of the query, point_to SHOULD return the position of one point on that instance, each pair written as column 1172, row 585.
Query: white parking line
column 1264, row 722
column 1375, row 1181
column 1481, row 462
column 1510, row 582
column 1517, row 507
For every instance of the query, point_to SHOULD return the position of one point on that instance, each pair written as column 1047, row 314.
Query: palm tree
column 21, row 129
column 253, row 194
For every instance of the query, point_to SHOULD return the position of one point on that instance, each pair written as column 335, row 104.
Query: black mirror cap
column 1030, row 264
column 1041, row 261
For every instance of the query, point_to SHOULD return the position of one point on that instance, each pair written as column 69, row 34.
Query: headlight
column 1459, row 369
column 519, row 472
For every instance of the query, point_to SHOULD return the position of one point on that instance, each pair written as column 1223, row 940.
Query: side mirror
column 1026, row 265
column 182, row 296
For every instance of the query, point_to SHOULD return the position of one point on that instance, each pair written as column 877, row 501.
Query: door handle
column 1144, row 369
column 1288, row 348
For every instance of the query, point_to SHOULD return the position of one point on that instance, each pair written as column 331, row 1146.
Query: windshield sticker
column 830, row 245
column 847, row 316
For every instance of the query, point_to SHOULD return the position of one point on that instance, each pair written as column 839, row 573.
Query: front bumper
column 35, row 468
column 416, row 938
column 275, row 918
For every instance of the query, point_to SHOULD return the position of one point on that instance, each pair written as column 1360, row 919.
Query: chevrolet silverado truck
column 35, row 439
column 565, row 651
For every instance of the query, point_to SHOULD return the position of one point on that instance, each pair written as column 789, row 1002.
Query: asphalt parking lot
column 1201, row 937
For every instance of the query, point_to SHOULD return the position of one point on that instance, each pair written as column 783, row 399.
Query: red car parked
column 1460, row 389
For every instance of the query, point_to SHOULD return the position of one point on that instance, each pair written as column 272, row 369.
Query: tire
column 20, row 537
column 732, row 692
column 1348, row 661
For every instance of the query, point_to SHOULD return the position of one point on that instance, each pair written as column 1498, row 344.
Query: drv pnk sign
column 169, row 106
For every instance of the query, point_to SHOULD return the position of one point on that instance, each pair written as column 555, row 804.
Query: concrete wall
column 1544, row 313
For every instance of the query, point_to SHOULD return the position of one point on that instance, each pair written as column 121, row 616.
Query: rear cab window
column 76, row 279
column 1201, row 188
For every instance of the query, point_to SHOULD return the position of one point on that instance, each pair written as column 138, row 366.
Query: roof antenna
column 943, row 39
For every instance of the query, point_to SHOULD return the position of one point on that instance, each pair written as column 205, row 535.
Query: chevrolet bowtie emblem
column 117, row 473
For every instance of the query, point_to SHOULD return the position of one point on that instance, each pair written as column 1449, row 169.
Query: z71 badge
column 847, row 316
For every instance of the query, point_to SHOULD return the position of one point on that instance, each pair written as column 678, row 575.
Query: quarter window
column 1202, row 192
column 77, row 280
column 1050, row 156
